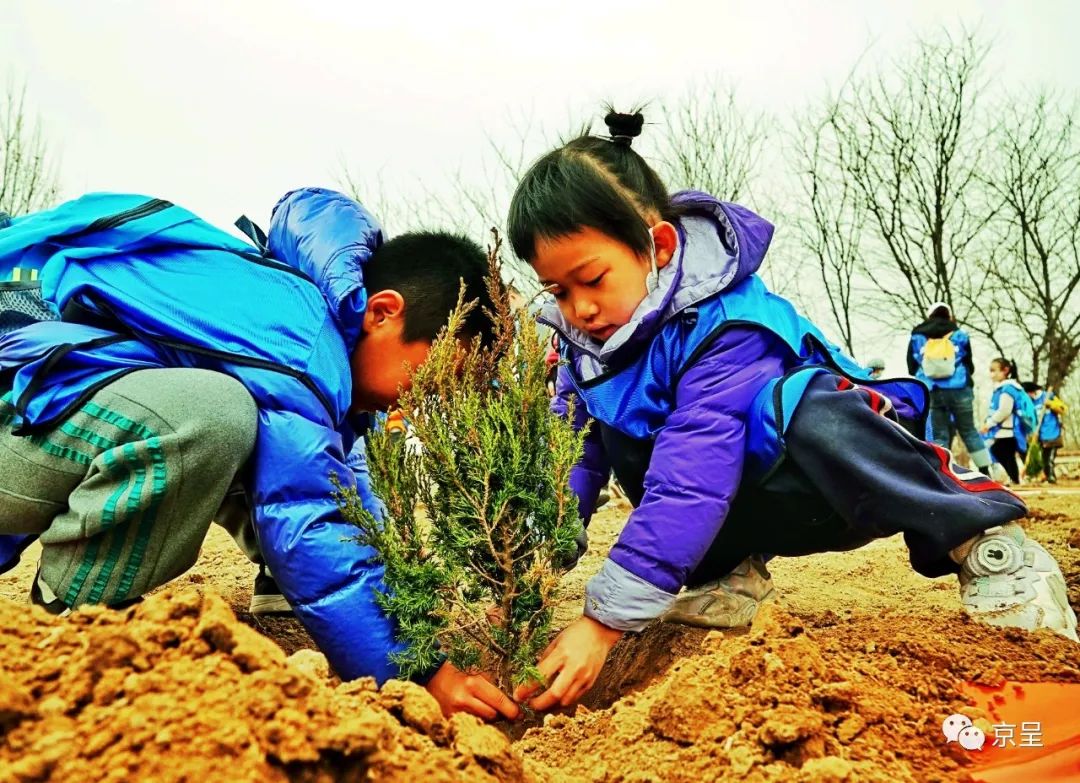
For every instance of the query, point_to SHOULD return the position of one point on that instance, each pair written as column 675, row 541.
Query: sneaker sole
column 269, row 604
column 1006, row 618
column 1032, row 617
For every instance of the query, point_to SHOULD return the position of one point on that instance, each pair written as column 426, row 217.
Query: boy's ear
column 667, row 240
column 384, row 309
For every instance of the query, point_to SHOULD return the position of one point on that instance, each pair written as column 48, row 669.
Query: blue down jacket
column 711, row 367
column 165, row 289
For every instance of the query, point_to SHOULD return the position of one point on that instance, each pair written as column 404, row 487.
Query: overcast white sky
column 224, row 106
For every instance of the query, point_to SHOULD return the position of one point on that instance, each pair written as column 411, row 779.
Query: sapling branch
column 481, row 514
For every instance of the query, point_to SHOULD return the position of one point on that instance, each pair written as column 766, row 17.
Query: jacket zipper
column 145, row 209
column 225, row 356
column 270, row 263
column 153, row 206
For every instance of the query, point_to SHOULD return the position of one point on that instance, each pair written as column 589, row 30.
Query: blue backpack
column 1026, row 414
column 21, row 301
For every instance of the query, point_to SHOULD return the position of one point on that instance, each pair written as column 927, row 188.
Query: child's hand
column 577, row 655
column 457, row 691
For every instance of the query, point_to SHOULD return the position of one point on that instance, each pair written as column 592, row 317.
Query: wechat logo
column 958, row 728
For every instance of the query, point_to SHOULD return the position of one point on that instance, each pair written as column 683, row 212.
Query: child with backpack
column 188, row 363
column 939, row 355
column 719, row 407
column 1012, row 418
column 1051, row 413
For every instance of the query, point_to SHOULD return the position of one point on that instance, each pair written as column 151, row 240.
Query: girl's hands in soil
column 576, row 655
column 457, row 691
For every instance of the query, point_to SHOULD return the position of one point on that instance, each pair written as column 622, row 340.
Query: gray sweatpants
column 123, row 491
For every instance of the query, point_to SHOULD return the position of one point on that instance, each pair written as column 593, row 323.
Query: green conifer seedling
column 475, row 578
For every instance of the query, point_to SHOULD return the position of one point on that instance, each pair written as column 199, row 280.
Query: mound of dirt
column 802, row 699
column 176, row 689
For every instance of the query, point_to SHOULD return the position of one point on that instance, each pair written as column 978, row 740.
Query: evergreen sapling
column 474, row 575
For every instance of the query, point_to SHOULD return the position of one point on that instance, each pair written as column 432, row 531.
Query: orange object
column 1055, row 707
column 395, row 422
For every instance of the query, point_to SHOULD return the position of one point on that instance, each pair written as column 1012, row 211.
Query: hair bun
column 624, row 127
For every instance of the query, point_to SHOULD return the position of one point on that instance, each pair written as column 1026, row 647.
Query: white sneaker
column 1009, row 580
column 730, row 602
column 42, row 595
column 266, row 598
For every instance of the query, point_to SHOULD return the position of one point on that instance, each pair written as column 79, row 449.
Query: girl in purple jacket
column 735, row 427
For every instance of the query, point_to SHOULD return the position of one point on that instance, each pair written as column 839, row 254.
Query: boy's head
column 1033, row 389
column 412, row 283
column 595, row 221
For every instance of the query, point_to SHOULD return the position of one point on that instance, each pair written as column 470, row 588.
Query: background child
column 939, row 354
column 1051, row 410
column 1004, row 426
column 875, row 367
column 734, row 426
column 186, row 360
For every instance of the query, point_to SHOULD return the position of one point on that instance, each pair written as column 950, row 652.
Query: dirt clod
column 798, row 700
column 848, row 681
column 176, row 688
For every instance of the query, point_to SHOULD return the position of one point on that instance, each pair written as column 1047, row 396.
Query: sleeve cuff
column 424, row 678
column 624, row 601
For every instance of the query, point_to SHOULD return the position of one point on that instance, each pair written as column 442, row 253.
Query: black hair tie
column 624, row 128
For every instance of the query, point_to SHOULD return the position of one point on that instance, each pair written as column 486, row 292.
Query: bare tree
column 392, row 212
column 830, row 226
column 913, row 146
column 1035, row 172
column 712, row 143
column 470, row 206
column 467, row 202
column 27, row 173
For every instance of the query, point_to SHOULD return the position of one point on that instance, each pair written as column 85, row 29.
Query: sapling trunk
column 476, row 579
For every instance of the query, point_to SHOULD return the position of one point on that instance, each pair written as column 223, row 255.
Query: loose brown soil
column 177, row 689
column 801, row 699
column 847, row 677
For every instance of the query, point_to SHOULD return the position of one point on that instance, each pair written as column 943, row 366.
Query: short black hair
column 1031, row 386
column 427, row 268
column 590, row 182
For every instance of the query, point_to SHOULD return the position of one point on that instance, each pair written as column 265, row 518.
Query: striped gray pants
column 123, row 491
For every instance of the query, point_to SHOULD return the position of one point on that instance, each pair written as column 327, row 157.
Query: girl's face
column 597, row 280
column 997, row 372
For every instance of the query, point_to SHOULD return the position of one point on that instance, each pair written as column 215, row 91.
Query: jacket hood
column 329, row 237
column 720, row 245
column 935, row 327
column 745, row 235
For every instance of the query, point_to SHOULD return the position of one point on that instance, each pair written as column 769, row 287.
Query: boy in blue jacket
column 1050, row 410
column 186, row 363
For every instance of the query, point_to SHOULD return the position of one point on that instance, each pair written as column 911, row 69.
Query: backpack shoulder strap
column 251, row 230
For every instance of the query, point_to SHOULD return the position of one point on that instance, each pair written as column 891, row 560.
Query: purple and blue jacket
column 710, row 368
